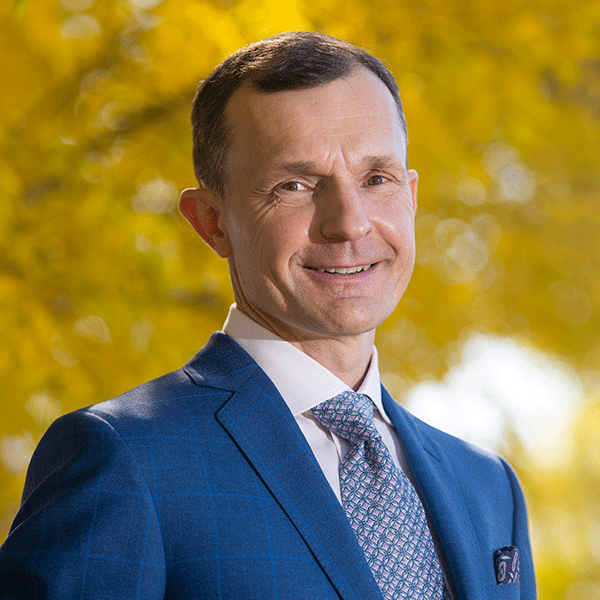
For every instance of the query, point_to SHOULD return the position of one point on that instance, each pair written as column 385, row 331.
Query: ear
column 202, row 210
column 413, row 179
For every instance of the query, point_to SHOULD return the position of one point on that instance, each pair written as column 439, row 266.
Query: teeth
column 344, row 270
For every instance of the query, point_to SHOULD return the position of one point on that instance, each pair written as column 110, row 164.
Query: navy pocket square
column 506, row 565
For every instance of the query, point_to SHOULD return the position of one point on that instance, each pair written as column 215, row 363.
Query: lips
column 342, row 270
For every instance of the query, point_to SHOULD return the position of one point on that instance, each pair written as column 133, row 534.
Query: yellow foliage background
column 103, row 285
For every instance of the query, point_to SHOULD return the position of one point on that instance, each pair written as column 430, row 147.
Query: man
column 273, row 464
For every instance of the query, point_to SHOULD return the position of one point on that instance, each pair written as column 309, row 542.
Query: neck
column 347, row 358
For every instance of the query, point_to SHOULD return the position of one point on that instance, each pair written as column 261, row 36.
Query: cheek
column 399, row 232
column 261, row 256
column 279, row 239
column 265, row 243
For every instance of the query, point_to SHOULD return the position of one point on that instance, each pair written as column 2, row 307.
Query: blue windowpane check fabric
column 382, row 505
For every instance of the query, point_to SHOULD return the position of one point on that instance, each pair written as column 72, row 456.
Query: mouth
column 342, row 270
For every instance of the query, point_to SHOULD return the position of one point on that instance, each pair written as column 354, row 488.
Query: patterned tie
column 382, row 505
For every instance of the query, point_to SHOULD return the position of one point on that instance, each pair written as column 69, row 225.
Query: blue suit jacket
column 199, row 484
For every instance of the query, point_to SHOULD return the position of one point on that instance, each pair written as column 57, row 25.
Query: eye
column 293, row 186
column 376, row 180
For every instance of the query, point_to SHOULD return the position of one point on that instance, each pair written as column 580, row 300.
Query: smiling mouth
column 342, row 270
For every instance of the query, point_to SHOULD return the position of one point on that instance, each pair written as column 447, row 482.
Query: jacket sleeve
column 87, row 526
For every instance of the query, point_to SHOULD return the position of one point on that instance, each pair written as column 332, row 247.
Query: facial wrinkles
column 265, row 211
column 336, row 167
column 335, row 148
column 272, row 137
column 338, row 154
column 352, row 127
column 256, row 211
column 329, row 144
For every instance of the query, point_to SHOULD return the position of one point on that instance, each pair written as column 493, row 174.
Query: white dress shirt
column 303, row 383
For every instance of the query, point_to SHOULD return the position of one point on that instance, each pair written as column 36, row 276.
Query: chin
column 346, row 328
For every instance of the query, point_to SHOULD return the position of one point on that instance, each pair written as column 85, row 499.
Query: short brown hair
column 288, row 61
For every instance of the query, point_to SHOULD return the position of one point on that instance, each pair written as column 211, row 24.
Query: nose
column 345, row 215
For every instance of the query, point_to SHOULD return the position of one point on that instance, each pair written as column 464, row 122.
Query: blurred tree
column 103, row 285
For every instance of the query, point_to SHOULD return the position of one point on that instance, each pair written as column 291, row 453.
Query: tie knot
column 349, row 415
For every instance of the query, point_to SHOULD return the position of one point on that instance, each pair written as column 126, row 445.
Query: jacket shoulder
column 444, row 447
column 199, row 387
column 474, row 467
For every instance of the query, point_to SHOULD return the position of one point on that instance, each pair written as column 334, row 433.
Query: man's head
column 289, row 61
column 316, row 218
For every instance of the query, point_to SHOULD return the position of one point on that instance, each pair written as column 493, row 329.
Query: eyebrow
column 373, row 162
column 299, row 168
column 382, row 161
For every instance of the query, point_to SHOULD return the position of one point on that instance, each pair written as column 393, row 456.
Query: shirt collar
column 301, row 380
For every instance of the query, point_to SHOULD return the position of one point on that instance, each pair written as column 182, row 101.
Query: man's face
column 318, row 219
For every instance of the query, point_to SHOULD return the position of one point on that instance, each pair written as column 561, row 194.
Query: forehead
column 357, row 110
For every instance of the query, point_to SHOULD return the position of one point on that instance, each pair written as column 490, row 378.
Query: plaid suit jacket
column 199, row 485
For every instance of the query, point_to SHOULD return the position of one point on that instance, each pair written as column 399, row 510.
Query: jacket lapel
column 443, row 502
column 262, row 426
